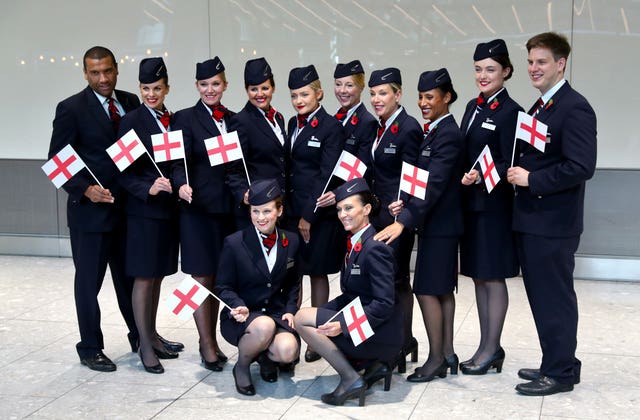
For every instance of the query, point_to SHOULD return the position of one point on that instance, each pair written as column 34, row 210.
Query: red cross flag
column 64, row 165
column 531, row 130
column 356, row 320
column 126, row 150
column 349, row 167
column 223, row 148
column 413, row 180
column 489, row 171
column 167, row 146
column 186, row 298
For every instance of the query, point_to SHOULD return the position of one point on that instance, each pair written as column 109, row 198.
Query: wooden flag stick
column 154, row 162
column 93, row 175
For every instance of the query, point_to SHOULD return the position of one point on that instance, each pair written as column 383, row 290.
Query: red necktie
column 381, row 129
column 426, row 128
column 114, row 114
column 480, row 101
column 268, row 241
column 538, row 107
column 270, row 114
column 341, row 114
column 164, row 118
column 349, row 246
column 302, row 121
column 218, row 112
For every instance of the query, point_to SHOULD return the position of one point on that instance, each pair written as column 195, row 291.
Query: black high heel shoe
column 133, row 342
column 268, row 368
column 165, row 353
column 410, row 348
column 452, row 361
column 311, row 356
column 244, row 390
column 441, row 371
column 151, row 369
column 377, row 371
column 171, row 346
column 494, row 361
column 215, row 366
column 221, row 356
column 356, row 390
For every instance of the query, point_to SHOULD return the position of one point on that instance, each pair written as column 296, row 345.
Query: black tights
column 437, row 313
column 145, row 299
column 492, row 300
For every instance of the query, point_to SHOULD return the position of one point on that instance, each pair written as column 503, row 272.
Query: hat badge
column 386, row 75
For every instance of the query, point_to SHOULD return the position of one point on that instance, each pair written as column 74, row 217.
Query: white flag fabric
column 126, row 150
column 489, row 171
column 357, row 322
column 63, row 166
column 223, row 148
column 186, row 298
column 413, row 180
column 167, row 146
column 531, row 130
column 349, row 167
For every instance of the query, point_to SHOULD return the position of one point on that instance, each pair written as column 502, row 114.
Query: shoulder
column 408, row 121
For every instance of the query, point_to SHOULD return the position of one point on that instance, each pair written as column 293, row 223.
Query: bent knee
column 305, row 317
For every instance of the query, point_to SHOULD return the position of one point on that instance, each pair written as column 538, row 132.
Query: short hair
column 316, row 86
column 505, row 62
column 557, row 43
column 396, row 87
column 270, row 80
column 98, row 53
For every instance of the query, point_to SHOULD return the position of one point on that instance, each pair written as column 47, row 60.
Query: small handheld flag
column 63, row 166
column 126, row 150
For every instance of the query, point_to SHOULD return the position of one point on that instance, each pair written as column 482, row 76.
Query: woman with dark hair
column 438, row 219
column 367, row 272
column 152, row 214
column 315, row 141
column 487, row 248
column 397, row 140
column 257, row 278
column 206, row 209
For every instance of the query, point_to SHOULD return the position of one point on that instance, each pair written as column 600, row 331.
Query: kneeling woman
column 257, row 278
column 368, row 272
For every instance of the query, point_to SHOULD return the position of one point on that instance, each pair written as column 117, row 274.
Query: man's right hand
column 97, row 194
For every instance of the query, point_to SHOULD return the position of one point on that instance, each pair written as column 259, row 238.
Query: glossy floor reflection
column 41, row 377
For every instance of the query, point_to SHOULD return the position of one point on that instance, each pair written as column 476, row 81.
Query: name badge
column 548, row 139
column 488, row 126
column 390, row 150
column 290, row 264
column 312, row 143
column 355, row 271
column 351, row 141
column 426, row 152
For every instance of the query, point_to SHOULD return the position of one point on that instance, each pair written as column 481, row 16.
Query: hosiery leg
column 142, row 298
column 405, row 297
column 448, row 307
column 284, row 348
column 483, row 316
column 319, row 290
column 257, row 338
column 155, row 303
column 214, row 312
column 433, row 321
column 202, row 318
column 497, row 304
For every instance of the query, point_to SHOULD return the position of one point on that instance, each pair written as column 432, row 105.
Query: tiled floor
column 41, row 377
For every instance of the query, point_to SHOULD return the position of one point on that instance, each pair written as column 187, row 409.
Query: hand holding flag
column 357, row 323
column 488, row 168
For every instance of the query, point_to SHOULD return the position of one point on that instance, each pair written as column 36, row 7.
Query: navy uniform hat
column 257, row 71
column 349, row 69
column 381, row 77
column 263, row 191
column 436, row 78
column 302, row 76
column 349, row 188
column 152, row 70
column 209, row 68
column 490, row 49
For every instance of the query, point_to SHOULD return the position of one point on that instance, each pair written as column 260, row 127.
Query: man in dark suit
column 89, row 121
column 548, row 213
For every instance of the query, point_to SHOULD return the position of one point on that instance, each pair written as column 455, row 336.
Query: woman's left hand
column 390, row 233
column 289, row 318
column 327, row 199
column 330, row 329
column 305, row 229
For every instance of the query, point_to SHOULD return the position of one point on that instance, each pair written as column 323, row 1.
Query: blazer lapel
column 254, row 249
column 205, row 119
column 97, row 110
column 263, row 125
column 283, row 253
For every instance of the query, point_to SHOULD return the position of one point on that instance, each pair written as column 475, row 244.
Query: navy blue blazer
column 396, row 145
column 263, row 153
column 244, row 279
column 360, row 132
column 440, row 213
column 312, row 159
column 210, row 184
column 370, row 274
column 82, row 122
column 496, row 128
column 553, row 204
column 138, row 178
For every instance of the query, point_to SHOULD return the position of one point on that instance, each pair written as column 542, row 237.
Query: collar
column 545, row 98
column 434, row 124
column 494, row 95
column 356, row 236
column 392, row 118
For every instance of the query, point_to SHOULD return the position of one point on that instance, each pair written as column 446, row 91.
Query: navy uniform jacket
column 138, row 178
column 360, row 132
column 496, row 128
column 82, row 122
column 440, row 213
column 244, row 279
column 384, row 172
column 263, row 153
column 370, row 274
column 211, row 192
column 313, row 156
column 553, row 204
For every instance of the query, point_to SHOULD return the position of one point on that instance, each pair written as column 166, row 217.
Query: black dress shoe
column 377, row 371
column 441, row 371
column 165, row 353
column 543, row 386
column 356, row 390
column 151, row 369
column 268, row 368
column 411, row 348
column 311, row 356
column 172, row 346
column 288, row 367
column 494, row 361
column 221, row 356
column 244, row 390
column 99, row 362
column 534, row 374
column 453, row 362
column 215, row 366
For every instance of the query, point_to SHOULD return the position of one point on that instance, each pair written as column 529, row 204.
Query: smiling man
column 548, row 213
